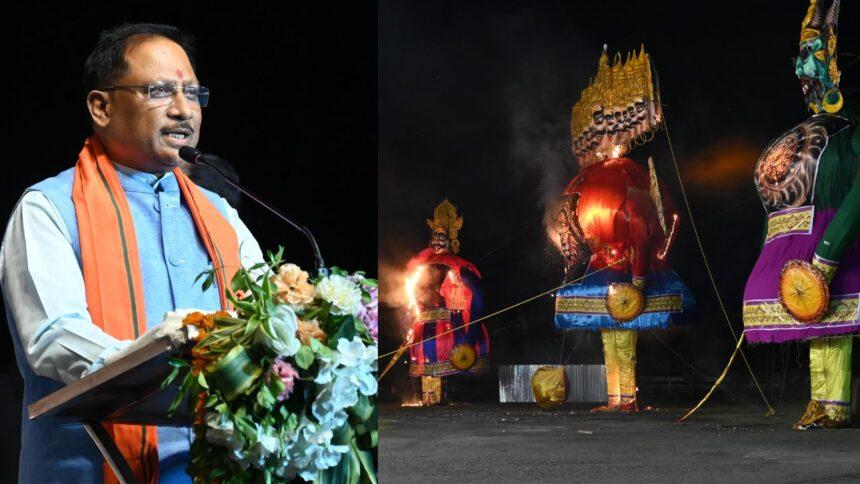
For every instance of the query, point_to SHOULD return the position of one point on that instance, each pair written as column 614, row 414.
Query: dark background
column 293, row 108
column 474, row 105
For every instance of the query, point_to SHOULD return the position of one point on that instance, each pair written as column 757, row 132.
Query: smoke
column 540, row 118
column 546, row 85
column 541, row 143
column 724, row 165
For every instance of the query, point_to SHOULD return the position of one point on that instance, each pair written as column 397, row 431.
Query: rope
column 720, row 380
column 398, row 352
column 713, row 281
column 696, row 370
column 561, row 356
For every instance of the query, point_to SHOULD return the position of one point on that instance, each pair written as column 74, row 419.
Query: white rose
column 343, row 294
column 278, row 333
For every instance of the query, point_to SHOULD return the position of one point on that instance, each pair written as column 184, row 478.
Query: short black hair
column 106, row 63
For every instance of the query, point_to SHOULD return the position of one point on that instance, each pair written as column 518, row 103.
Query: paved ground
column 521, row 443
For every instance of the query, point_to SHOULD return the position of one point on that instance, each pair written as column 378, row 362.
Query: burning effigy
column 618, row 221
column 443, row 292
column 805, row 283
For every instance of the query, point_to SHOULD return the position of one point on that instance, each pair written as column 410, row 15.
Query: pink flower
column 288, row 376
column 369, row 313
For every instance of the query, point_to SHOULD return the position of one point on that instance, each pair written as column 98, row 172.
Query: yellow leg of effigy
column 610, row 356
column 625, row 346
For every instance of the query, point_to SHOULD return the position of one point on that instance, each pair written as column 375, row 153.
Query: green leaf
column 253, row 323
column 275, row 259
column 192, row 392
column 305, row 357
column 172, row 376
column 207, row 283
column 265, row 398
column 368, row 472
column 211, row 401
column 238, row 281
column 207, row 272
column 256, row 266
column 347, row 330
column 268, row 288
column 177, row 362
column 180, row 394
column 201, row 380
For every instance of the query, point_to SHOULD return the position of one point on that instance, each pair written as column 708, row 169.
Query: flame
column 412, row 403
column 411, row 281
column 617, row 151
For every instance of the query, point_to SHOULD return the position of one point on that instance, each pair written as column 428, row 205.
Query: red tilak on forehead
column 179, row 75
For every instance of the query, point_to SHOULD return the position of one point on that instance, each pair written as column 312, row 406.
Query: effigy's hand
column 829, row 270
column 804, row 290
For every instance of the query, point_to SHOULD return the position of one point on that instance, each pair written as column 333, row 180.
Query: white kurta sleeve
column 250, row 253
column 44, row 289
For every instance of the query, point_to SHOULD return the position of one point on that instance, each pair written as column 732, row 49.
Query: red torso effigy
column 454, row 291
column 618, row 217
column 445, row 304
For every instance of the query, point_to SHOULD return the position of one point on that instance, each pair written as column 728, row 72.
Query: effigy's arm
column 673, row 220
column 473, row 282
column 845, row 226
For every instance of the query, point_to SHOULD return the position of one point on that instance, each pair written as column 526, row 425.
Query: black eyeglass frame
column 202, row 99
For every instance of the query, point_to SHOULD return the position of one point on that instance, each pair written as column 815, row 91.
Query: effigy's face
column 813, row 69
column 618, row 113
column 440, row 243
column 609, row 117
column 598, row 121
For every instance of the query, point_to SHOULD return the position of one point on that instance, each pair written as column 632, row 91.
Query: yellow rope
column 398, row 352
column 719, row 380
column 714, row 285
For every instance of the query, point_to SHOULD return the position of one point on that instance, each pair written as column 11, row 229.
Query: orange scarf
column 114, row 284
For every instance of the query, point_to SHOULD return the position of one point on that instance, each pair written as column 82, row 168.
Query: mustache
column 182, row 125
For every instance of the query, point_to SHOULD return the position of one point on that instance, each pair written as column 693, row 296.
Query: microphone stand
column 321, row 269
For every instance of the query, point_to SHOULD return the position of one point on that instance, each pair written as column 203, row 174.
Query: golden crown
column 617, row 85
column 445, row 219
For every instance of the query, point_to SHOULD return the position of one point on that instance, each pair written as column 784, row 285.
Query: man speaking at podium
column 96, row 255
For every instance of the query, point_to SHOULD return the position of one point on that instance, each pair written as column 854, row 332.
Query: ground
column 522, row 443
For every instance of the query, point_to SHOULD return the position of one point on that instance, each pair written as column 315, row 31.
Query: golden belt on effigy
column 796, row 220
column 437, row 314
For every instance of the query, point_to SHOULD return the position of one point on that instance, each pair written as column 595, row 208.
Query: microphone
column 195, row 157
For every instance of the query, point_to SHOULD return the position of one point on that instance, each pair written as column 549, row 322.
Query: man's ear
column 97, row 103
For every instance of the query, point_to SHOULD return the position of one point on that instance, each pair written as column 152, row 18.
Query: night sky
column 474, row 105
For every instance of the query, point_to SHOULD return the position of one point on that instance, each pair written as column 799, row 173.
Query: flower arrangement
column 283, row 387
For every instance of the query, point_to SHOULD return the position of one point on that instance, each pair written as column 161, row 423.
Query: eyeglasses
column 164, row 92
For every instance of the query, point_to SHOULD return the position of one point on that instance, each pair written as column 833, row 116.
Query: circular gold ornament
column 463, row 357
column 803, row 291
column 624, row 301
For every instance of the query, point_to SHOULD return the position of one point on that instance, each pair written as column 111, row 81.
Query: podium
column 126, row 391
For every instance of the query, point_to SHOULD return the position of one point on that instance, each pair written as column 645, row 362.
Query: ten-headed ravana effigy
column 806, row 282
column 445, row 294
column 618, row 217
